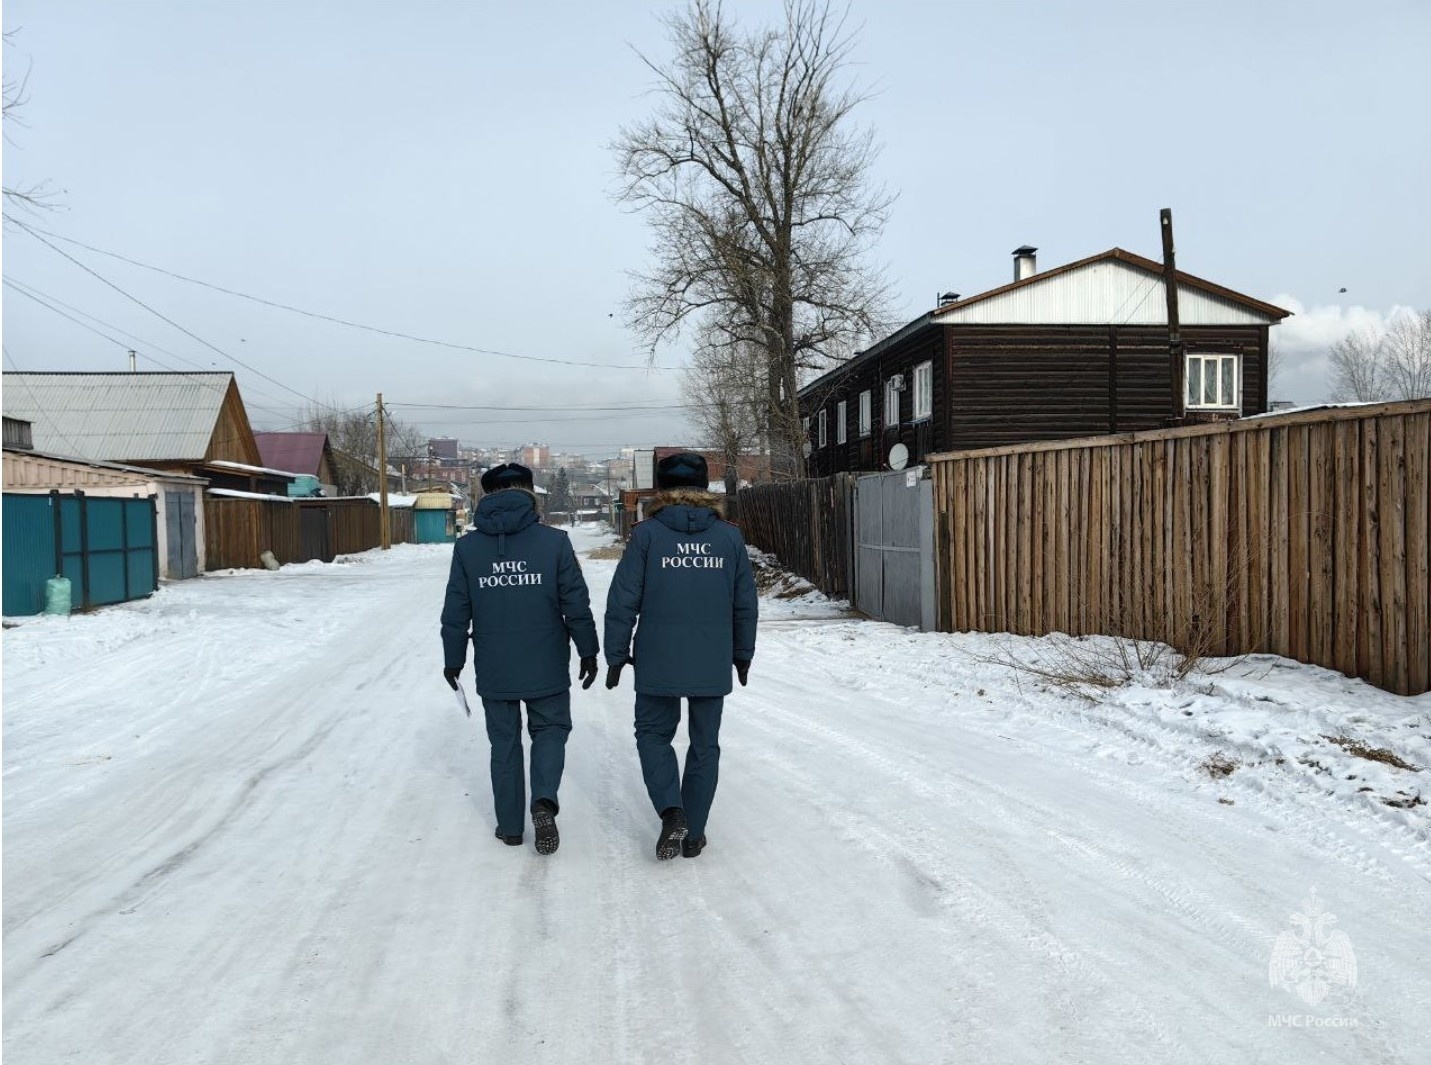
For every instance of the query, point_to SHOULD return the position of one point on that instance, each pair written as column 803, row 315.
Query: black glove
column 587, row 673
column 613, row 675
column 742, row 670
column 450, row 675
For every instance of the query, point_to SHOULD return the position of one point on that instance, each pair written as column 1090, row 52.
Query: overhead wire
column 53, row 303
column 158, row 314
column 397, row 334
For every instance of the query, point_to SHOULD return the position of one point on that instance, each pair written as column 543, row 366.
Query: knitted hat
column 509, row 475
column 686, row 470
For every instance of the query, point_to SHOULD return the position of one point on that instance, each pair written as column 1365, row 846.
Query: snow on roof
column 395, row 499
column 123, row 416
column 233, row 494
column 245, row 468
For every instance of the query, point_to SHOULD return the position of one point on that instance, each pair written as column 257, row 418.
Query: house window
column 866, row 412
column 840, row 423
column 1212, row 382
column 923, row 390
column 891, row 402
column 822, row 429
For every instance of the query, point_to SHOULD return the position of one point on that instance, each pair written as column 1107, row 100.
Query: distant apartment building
column 536, row 456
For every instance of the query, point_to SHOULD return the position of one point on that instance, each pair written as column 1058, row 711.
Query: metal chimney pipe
column 133, row 365
column 1025, row 264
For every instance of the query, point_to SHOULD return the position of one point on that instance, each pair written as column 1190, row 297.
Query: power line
column 339, row 321
column 61, row 252
column 45, row 300
column 507, row 409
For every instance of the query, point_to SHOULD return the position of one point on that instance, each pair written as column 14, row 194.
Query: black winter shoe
column 544, row 822
column 691, row 848
column 511, row 841
column 673, row 834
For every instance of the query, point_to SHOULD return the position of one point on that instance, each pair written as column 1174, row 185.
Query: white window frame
column 924, row 391
column 891, row 404
column 866, row 413
column 842, row 426
column 1195, row 370
column 821, row 422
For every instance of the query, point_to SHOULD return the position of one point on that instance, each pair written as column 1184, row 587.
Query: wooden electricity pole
column 1176, row 363
column 385, row 530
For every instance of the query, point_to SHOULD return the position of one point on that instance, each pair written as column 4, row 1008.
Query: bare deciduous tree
column 726, row 394
column 1368, row 365
column 1408, row 356
column 16, row 93
column 1356, row 367
column 353, row 435
column 757, row 188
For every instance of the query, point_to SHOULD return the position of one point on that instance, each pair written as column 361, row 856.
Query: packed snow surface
column 246, row 823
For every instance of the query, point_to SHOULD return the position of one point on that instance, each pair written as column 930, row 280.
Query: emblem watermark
column 1311, row 959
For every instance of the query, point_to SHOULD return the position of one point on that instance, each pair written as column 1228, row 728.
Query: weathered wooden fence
column 1305, row 535
column 238, row 531
column 805, row 524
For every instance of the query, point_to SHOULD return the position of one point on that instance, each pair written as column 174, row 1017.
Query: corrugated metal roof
column 132, row 417
column 299, row 452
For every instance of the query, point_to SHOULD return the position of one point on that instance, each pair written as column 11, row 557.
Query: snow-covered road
column 245, row 823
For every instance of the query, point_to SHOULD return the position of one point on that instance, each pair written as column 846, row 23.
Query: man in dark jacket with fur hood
column 686, row 575
column 516, row 584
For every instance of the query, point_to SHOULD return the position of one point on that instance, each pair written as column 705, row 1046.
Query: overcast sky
column 443, row 170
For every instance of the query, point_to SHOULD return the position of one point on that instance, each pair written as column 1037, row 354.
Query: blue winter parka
column 517, row 586
column 686, row 575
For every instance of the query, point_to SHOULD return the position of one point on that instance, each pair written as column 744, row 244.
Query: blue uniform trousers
column 657, row 717
column 549, row 722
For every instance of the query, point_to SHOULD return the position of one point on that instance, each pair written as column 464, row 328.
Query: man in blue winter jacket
column 686, row 574
column 516, row 584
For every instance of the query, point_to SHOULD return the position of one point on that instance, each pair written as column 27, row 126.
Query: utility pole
column 1176, row 362
column 385, row 527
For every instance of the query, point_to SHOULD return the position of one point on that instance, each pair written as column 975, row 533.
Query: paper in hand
column 462, row 700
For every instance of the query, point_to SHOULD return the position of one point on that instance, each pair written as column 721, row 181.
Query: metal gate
column 314, row 533
column 894, row 547
column 105, row 546
column 182, row 553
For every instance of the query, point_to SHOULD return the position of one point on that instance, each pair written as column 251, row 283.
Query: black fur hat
column 686, row 470
column 509, row 475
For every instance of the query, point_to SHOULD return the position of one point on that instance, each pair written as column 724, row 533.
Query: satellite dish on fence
column 898, row 457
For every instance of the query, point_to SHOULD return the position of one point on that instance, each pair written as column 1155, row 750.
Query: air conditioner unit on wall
column 897, row 382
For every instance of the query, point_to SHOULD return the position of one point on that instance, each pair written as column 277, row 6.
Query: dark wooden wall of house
column 1018, row 384
column 996, row 385
column 870, row 452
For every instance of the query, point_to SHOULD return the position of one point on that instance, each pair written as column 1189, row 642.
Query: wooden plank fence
column 238, row 531
column 806, row 524
column 1305, row 535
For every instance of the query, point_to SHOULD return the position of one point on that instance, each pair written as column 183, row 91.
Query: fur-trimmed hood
column 682, row 497
column 687, row 510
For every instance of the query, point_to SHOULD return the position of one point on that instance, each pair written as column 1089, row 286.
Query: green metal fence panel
column 29, row 532
column 108, row 549
column 142, row 552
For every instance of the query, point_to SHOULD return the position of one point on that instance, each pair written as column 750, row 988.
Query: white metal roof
column 119, row 416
